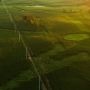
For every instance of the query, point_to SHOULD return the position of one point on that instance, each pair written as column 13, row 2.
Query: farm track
column 28, row 54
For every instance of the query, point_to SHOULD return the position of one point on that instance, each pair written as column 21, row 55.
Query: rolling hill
column 46, row 2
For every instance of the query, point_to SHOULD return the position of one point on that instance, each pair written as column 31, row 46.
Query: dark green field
column 58, row 41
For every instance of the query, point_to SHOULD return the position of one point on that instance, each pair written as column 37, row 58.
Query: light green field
column 76, row 37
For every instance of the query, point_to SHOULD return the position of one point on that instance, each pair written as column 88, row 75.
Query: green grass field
column 59, row 43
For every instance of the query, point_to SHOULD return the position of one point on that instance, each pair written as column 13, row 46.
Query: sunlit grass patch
column 76, row 37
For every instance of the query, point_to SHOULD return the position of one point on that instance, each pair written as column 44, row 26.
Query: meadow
column 59, row 43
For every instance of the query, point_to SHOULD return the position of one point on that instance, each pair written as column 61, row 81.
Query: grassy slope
column 57, row 58
column 45, row 2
